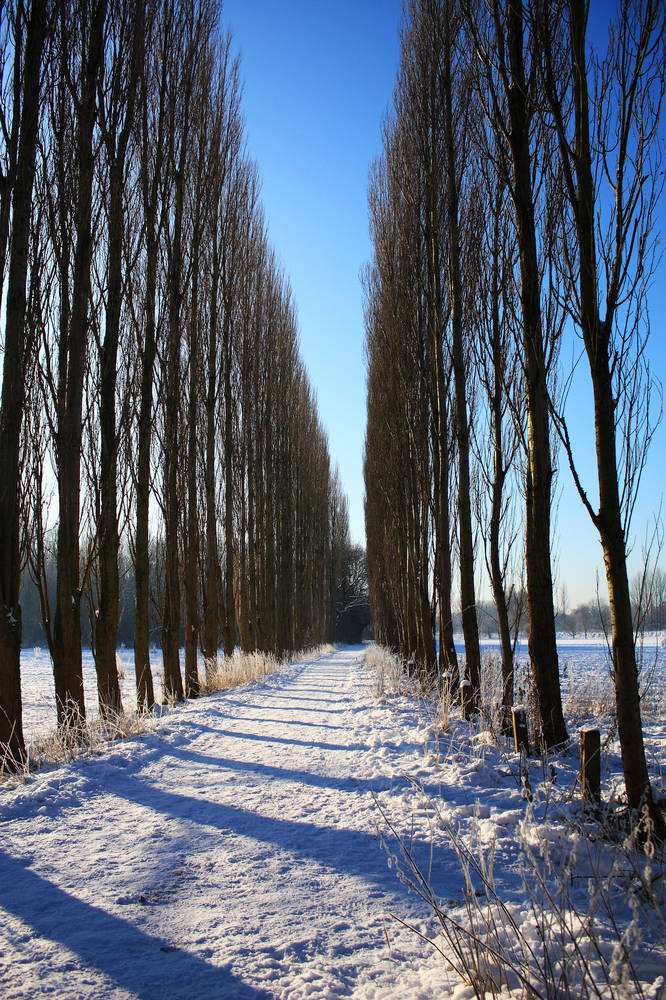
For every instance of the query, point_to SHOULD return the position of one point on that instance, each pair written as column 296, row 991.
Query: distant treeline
column 33, row 628
column 348, row 585
column 591, row 617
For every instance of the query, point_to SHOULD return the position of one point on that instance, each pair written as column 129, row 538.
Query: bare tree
column 190, row 36
column 79, row 47
column 497, row 440
column 608, row 260
column 19, row 342
column 152, row 142
column 118, row 87
column 508, row 93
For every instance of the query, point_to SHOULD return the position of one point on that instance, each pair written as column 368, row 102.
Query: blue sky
column 318, row 79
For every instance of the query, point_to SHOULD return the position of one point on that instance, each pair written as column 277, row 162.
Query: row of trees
column 648, row 608
column 154, row 405
column 347, row 585
column 512, row 211
column 348, row 588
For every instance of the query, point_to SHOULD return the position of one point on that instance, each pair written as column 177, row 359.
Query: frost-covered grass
column 545, row 899
column 313, row 653
column 48, row 746
column 61, row 746
column 388, row 671
column 38, row 691
column 590, row 693
column 241, row 668
column 573, row 936
column 245, row 668
column 39, row 714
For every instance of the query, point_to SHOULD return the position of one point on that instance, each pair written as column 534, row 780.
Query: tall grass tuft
column 565, row 937
column 241, row 668
column 90, row 738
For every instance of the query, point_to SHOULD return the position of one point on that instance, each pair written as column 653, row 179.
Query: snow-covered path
column 232, row 853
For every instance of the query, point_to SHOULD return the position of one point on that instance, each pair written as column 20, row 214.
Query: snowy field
column 579, row 658
column 37, row 689
column 251, row 845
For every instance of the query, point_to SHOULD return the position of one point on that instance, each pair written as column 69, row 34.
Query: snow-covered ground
column 242, row 849
column 38, row 692
column 232, row 853
column 580, row 657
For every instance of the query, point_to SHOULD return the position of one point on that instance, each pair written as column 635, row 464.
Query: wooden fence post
column 590, row 765
column 466, row 699
column 520, row 735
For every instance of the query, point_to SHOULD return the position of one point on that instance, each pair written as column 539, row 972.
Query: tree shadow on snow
column 349, row 852
column 279, row 722
column 309, row 690
column 240, row 734
column 147, row 966
column 270, row 771
column 270, row 703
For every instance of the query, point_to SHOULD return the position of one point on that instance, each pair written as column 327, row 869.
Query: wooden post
column 466, row 699
column 520, row 735
column 590, row 765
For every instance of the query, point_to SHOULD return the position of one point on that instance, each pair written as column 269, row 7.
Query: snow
column 38, row 691
column 578, row 657
column 234, row 852
column 246, row 848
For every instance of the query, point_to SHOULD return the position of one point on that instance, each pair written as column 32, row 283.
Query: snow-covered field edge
column 544, row 898
column 46, row 745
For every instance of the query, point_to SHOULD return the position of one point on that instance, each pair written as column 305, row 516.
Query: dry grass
column 244, row 668
column 572, row 937
column 313, row 653
column 393, row 677
column 390, row 673
column 241, row 668
column 64, row 745
column 591, row 695
column 67, row 744
column 445, row 702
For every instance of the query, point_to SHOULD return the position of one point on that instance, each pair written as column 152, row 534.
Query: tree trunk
column 67, row 663
column 625, row 668
column 542, row 639
column 145, row 694
column 150, row 188
column 609, row 521
column 108, row 542
column 173, row 681
column 211, row 616
column 192, row 527
column 443, row 582
column 465, row 528
column 229, row 629
column 17, row 350
column 499, row 474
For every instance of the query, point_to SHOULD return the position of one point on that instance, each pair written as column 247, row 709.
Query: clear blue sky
column 318, row 79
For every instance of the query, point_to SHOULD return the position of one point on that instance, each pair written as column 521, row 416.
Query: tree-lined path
column 232, row 853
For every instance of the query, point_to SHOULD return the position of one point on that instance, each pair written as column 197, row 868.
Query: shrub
column 565, row 939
